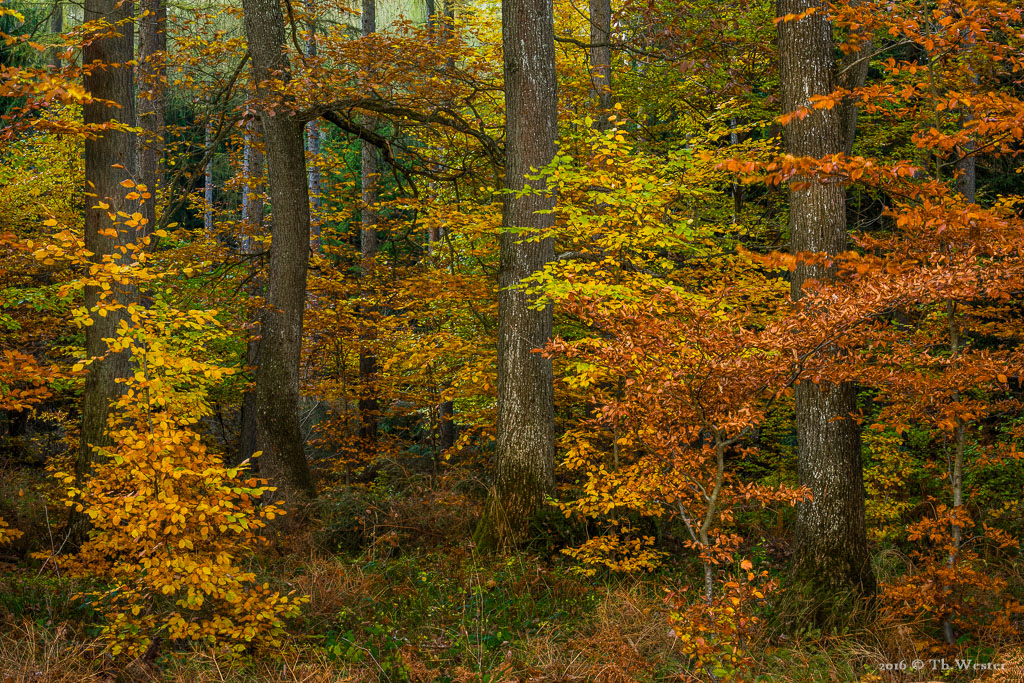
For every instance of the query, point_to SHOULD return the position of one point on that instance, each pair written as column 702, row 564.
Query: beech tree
column 274, row 427
column 832, row 563
column 525, row 449
column 110, row 158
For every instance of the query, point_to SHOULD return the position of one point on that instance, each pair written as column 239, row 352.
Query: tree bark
column 56, row 28
column 208, row 181
column 369, row 406
column 446, row 430
column 112, row 82
column 832, row 565
column 313, row 138
column 853, row 74
column 275, row 424
column 525, row 452
column 601, row 59
column 252, row 220
column 152, row 101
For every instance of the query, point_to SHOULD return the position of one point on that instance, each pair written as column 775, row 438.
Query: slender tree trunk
column 525, row 451
column 208, row 182
column 252, row 185
column 966, row 182
column 313, row 137
column 447, row 27
column 369, row 406
column 737, row 188
column 832, row 565
column 853, row 74
column 437, row 29
column 446, row 431
column 252, row 220
column 56, row 28
column 246, row 184
column 152, row 100
column 275, row 424
column 601, row 59
column 314, row 181
column 102, row 154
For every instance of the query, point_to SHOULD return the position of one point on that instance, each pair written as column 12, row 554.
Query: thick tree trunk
column 275, row 424
column 369, row 406
column 113, row 148
column 525, row 451
column 601, row 59
column 832, row 565
column 152, row 100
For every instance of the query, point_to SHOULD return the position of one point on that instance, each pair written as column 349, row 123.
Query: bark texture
column 853, row 73
column 832, row 565
column 275, row 420
column 525, row 451
column 152, row 100
column 369, row 406
column 601, row 59
column 313, row 140
column 252, row 220
column 208, row 181
column 114, row 82
column 56, row 28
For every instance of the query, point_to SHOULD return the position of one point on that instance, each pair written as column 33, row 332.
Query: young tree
column 832, row 563
column 525, row 450
column 274, row 426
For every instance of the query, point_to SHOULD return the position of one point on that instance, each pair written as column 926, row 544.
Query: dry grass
column 31, row 653
column 628, row 639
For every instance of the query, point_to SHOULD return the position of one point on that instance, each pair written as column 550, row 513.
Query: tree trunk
column 102, row 153
column 601, row 59
column 208, row 181
column 369, row 174
column 314, row 182
column 313, row 136
column 854, row 73
column 275, row 424
column 152, row 101
column 252, row 219
column 525, row 451
column 56, row 28
column 832, row 565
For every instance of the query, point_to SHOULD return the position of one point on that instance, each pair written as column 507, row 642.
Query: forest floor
column 397, row 594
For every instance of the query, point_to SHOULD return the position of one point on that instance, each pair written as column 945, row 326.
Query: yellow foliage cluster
column 170, row 523
column 716, row 634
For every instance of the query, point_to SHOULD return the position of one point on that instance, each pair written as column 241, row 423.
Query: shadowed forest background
column 511, row 340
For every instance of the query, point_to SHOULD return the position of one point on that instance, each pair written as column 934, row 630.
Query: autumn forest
column 511, row 340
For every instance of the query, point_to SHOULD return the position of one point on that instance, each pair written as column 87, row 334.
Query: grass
column 397, row 594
